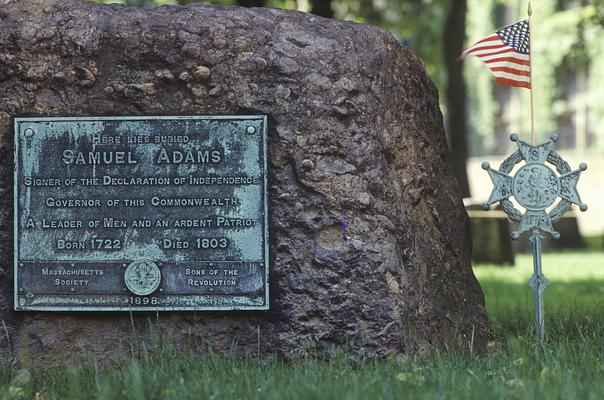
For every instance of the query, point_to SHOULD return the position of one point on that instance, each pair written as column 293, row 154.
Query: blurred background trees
column 568, row 65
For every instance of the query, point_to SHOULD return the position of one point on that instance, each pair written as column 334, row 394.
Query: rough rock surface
column 356, row 136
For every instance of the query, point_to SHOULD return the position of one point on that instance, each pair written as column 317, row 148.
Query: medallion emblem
column 142, row 277
column 535, row 186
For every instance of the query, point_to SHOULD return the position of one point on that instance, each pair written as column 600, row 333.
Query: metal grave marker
column 536, row 187
column 141, row 213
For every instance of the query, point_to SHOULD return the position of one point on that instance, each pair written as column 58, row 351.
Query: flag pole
column 530, row 13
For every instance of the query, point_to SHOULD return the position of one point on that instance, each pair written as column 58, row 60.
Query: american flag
column 507, row 54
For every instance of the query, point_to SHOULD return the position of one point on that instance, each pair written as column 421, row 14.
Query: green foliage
column 481, row 107
column 562, row 40
column 419, row 24
column 569, row 365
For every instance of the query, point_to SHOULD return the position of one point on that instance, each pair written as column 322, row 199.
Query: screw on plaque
column 251, row 130
column 536, row 187
column 28, row 134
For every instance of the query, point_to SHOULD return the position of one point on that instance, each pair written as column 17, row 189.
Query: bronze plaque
column 141, row 213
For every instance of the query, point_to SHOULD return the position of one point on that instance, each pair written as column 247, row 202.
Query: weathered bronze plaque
column 141, row 213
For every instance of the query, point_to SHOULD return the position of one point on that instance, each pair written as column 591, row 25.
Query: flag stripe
column 507, row 75
column 511, row 71
column 480, row 46
column 494, row 36
column 489, row 53
column 491, row 39
column 509, row 65
column 509, row 59
column 517, row 56
column 496, row 40
column 490, row 47
column 511, row 82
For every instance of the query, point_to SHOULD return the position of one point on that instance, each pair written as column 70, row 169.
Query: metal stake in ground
column 536, row 187
column 538, row 282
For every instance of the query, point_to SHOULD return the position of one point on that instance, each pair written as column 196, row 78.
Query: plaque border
column 96, row 309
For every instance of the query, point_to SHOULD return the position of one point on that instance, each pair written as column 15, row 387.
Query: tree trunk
column 322, row 8
column 453, row 41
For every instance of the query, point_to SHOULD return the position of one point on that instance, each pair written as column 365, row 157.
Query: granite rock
column 370, row 246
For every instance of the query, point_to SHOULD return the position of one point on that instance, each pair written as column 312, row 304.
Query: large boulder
column 370, row 244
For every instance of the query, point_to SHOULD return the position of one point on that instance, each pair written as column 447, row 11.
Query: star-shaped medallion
column 535, row 186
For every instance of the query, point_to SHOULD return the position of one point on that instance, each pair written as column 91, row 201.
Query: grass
column 570, row 365
column 574, row 299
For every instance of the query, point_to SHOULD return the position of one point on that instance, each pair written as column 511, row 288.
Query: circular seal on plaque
column 142, row 277
column 536, row 187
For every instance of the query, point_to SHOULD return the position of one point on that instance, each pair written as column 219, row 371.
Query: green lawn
column 569, row 366
column 574, row 299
